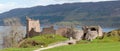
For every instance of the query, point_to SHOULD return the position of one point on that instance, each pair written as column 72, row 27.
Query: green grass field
column 40, row 40
column 18, row 49
column 115, row 46
column 89, row 47
column 111, row 43
column 106, row 44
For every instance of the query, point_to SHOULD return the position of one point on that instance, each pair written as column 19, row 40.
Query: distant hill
column 106, row 14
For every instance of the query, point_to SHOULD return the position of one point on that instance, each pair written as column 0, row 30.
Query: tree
column 15, row 32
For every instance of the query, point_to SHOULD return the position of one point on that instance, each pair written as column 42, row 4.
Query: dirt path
column 55, row 45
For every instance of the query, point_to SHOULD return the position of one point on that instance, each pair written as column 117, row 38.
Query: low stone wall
column 48, row 30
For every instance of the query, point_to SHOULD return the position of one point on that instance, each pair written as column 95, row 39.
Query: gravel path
column 56, row 45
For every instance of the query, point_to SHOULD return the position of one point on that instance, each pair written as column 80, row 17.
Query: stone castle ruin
column 33, row 27
column 87, row 32
column 91, row 32
column 62, row 31
column 48, row 30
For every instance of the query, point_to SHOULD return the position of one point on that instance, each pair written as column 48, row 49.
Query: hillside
column 106, row 14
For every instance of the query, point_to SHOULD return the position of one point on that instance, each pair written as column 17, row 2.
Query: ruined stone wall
column 62, row 31
column 48, row 30
column 91, row 35
column 78, row 35
column 88, row 32
column 32, row 24
column 100, row 31
column 91, row 32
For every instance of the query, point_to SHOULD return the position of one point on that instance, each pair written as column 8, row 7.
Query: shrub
column 42, row 40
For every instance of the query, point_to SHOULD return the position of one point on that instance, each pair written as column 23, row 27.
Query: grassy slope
column 41, row 40
column 78, row 47
column 106, row 44
column 111, row 43
column 89, row 47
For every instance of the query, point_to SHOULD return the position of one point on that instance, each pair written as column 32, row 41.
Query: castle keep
column 33, row 27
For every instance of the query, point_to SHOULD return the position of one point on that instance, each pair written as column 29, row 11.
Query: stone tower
column 32, row 25
column 100, row 31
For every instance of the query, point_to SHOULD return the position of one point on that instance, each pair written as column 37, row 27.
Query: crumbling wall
column 48, row 30
column 100, row 31
column 62, row 31
column 91, row 35
column 33, row 33
column 87, row 32
column 91, row 32
column 32, row 25
column 78, row 35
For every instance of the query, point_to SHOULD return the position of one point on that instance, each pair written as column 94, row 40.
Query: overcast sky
column 6, row 5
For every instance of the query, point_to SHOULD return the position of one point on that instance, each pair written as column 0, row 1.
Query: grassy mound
column 42, row 40
column 113, row 35
column 33, row 43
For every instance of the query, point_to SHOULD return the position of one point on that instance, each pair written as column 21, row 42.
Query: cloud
column 7, row 6
column 10, row 5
